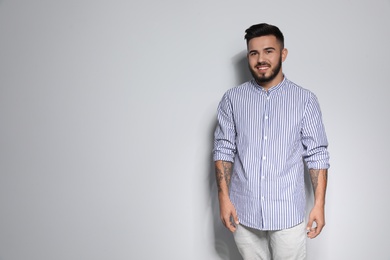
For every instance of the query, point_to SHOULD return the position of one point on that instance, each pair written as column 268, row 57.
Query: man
column 266, row 128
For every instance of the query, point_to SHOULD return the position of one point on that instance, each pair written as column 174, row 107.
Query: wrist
column 319, row 203
column 223, row 195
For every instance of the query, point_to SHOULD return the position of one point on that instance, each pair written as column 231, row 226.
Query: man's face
column 265, row 57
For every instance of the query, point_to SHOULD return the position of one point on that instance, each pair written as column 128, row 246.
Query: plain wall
column 107, row 113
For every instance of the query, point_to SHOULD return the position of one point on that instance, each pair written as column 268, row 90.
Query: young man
column 266, row 127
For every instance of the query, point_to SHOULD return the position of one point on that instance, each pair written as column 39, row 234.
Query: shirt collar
column 271, row 89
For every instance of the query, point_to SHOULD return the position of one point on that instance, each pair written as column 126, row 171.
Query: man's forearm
column 319, row 180
column 223, row 173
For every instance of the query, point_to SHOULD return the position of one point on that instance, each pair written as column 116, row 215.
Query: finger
column 230, row 223
column 223, row 221
column 235, row 218
column 311, row 234
column 310, row 230
column 314, row 232
column 226, row 222
column 232, row 227
column 318, row 229
column 309, row 225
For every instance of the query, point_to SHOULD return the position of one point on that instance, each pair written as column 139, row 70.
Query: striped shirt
column 268, row 135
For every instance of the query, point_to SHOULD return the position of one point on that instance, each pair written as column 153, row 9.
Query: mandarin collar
column 271, row 89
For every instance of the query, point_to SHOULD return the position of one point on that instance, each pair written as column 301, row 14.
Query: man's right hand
column 228, row 214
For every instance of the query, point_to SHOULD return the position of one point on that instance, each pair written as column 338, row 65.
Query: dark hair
column 264, row 29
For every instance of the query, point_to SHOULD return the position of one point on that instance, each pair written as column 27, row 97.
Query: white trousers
column 286, row 244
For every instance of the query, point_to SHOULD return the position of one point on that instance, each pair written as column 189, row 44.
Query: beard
column 262, row 78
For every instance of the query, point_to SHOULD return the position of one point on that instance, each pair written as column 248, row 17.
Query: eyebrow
column 265, row 49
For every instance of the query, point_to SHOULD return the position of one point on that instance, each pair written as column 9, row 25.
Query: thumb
column 309, row 225
column 235, row 217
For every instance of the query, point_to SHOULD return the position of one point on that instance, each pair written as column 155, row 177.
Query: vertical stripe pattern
column 267, row 135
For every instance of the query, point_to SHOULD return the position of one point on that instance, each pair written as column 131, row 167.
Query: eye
column 252, row 53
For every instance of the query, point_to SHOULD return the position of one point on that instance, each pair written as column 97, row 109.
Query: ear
column 284, row 54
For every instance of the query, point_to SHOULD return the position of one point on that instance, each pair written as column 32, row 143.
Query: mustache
column 263, row 64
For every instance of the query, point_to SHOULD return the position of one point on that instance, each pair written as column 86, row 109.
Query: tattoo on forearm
column 227, row 168
column 223, row 174
column 314, row 178
column 314, row 174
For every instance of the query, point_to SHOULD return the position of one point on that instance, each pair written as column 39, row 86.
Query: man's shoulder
column 293, row 87
column 241, row 89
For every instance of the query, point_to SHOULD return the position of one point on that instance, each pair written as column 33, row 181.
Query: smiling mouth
column 262, row 68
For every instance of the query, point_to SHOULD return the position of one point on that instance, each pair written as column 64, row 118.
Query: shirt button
column 266, row 117
column 264, row 157
column 262, row 197
column 263, row 177
column 265, row 137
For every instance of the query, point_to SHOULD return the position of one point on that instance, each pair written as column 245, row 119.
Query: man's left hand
column 316, row 222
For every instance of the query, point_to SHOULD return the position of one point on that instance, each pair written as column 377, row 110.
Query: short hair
column 264, row 29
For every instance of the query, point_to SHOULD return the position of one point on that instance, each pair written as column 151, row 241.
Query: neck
column 275, row 81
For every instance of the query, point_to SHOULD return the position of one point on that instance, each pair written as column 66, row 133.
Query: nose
column 260, row 57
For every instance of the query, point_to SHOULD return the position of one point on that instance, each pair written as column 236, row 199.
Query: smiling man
column 266, row 128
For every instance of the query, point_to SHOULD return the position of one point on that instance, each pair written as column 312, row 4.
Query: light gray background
column 107, row 110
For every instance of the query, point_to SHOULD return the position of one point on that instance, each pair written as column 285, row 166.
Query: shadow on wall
column 224, row 243
column 241, row 69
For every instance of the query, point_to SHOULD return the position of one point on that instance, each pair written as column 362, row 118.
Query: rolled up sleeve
column 225, row 132
column 314, row 137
